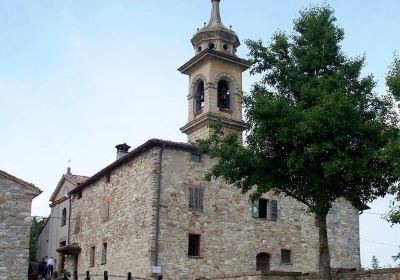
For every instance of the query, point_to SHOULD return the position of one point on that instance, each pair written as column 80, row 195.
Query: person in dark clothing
column 42, row 269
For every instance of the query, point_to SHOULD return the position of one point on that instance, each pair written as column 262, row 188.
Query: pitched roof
column 129, row 156
column 76, row 180
column 29, row 186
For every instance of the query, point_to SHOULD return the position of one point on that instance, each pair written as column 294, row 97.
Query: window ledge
column 264, row 219
column 225, row 110
column 195, row 257
column 286, row 263
column 196, row 210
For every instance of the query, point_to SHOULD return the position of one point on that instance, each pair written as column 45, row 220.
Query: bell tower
column 215, row 80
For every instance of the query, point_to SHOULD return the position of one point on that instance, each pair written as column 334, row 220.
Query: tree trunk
column 324, row 257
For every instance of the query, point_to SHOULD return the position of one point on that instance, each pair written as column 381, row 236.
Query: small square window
column 194, row 245
column 285, row 256
column 195, row 157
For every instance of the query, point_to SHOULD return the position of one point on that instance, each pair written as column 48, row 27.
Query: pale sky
column 78, row 77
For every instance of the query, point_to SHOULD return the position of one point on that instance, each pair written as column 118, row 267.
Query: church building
column 152, row 211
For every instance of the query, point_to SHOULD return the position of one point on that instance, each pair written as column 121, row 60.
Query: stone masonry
column 230, row 237
column 129, row 191
column 15, row 219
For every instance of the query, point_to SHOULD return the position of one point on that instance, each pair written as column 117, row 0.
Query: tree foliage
column 375, row 263
column 36, row 228
column 393, row 84
column 317, row 129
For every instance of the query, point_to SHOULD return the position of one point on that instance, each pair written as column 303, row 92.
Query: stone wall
column 129, row 191
column 15, row 221
column 231, row 238
column 379, row 274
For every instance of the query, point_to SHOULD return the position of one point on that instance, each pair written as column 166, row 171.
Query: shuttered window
column 196, row 195
column 265, row 209
column 274, row 210
column 194, row 245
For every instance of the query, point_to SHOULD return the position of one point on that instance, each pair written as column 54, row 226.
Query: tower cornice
column 212, row 54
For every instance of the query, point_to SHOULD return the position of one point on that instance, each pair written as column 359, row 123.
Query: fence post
column 129, row 276
column 87, row 275
column 105, row 275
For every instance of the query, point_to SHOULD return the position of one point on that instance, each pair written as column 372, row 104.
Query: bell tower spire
column 215, row 19
column 215, row 80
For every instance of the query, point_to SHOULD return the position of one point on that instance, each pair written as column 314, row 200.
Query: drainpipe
column 158, row 204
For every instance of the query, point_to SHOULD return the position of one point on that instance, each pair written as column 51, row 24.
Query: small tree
column 375, row 263
column 317, row 130
column 36, row 228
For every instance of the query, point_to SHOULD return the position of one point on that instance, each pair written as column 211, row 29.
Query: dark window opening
column 194, row 245
column 91, row 257
column 195, row 156
column 199, row 49
column 104, row 254
column 196, row 195
column 108, row 178
column 263, row 262
column 64, row 217
column 62, row 256
column 285, row 256
column 263, row 208
column 199, row 97
column 223, row 95
column 211, row 46
column 79, row 195
column 225, row 47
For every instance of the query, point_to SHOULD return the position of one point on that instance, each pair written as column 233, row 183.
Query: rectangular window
column 92, row 254
column 285, row 256
column 265, row 209
column 77, row 224
column 196, row 198
column 105, row 215
column 195, row 157
column 194, row 245
column 79, row 195
column 104, row 254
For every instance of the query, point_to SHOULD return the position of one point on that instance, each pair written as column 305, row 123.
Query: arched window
column 199, row 96
column 64, row 217
column 263, row 262
column 223, row 95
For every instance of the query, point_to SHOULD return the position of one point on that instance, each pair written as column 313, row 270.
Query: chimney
column 122, row 150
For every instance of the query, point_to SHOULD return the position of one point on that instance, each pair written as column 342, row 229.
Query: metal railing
column 107, row 276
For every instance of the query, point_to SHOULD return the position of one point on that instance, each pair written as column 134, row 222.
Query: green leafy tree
column 36, row 228
column 375, row 263
column 317, row 129
column 393, row 84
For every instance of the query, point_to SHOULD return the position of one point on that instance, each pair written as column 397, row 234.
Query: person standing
column 42, row 269
column 50, row 266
